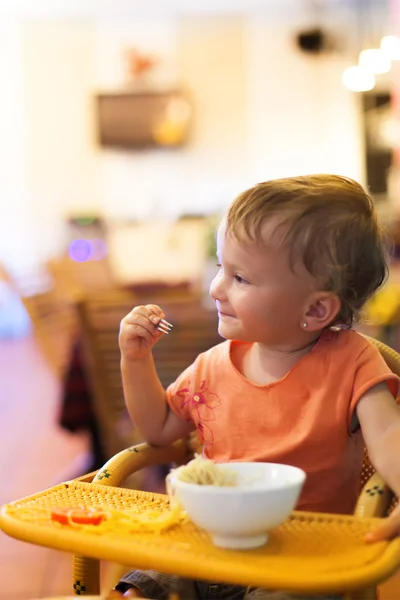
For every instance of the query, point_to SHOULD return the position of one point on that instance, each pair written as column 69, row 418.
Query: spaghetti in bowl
column 237, row 503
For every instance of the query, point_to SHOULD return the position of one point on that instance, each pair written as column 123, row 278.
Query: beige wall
column 301, row 118
column 61, row 167
column 261, row 110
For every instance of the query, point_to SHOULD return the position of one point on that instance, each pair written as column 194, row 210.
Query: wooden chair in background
column 55, row 326
column 51, row 302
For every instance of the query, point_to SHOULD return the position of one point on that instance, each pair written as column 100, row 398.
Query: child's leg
column 157, row 585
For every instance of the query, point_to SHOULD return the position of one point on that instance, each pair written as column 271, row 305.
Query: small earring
column 304, row 325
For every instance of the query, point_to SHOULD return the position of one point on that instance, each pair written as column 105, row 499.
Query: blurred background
column 126, row 129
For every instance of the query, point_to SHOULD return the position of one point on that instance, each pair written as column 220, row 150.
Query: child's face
column 259, row 296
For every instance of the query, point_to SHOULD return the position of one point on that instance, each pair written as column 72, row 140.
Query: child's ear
column 321, row 310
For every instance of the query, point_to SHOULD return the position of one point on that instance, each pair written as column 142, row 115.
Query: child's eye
column 240, row 279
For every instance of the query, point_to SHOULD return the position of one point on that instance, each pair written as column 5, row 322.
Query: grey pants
column 158, row 587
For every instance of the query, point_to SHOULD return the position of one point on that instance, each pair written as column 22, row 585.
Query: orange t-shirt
column 303, row 419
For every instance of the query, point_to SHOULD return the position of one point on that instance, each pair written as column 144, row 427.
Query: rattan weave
column 310, row 552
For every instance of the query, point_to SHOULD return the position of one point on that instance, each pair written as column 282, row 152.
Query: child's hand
column 138, row 331
column 388, row 529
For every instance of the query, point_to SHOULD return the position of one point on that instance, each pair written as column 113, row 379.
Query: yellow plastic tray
column 309, row 553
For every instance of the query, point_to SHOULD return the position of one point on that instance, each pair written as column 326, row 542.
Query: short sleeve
column 178, row 393
column 371, row 369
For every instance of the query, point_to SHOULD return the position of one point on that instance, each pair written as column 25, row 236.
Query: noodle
column 115, row 521
column 204, row 472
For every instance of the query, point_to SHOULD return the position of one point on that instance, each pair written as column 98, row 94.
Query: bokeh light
column 84, row 250
column 80, row 250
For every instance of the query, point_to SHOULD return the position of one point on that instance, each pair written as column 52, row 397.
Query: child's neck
column 263, row 365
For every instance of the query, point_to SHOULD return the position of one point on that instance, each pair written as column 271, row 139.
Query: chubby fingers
column 387, row 529
column 157, row 318
column 143, row 320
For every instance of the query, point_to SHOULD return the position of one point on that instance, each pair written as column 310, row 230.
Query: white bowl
column 240, row 516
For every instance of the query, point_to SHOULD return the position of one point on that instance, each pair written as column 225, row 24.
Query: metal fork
column 164, row 326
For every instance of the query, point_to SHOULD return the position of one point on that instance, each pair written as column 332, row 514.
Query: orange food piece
column 80, row 516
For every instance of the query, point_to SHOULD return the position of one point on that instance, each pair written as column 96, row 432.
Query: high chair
column 375, row 500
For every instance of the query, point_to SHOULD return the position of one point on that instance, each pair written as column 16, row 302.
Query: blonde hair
column 327, row 220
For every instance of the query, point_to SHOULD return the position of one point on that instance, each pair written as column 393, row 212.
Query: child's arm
column 379, row 417
column 145, row 397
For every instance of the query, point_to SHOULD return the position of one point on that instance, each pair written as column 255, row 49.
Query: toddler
column 293, row 382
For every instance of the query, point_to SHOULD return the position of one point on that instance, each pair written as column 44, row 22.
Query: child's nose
column 217, row 287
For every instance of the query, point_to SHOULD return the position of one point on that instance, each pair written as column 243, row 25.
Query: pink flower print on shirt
column 202, row 404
